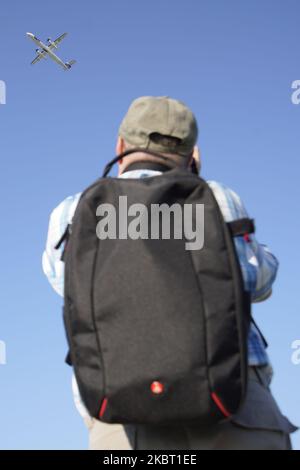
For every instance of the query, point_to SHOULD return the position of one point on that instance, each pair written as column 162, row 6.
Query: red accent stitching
column 220, row 405
column 103, row 407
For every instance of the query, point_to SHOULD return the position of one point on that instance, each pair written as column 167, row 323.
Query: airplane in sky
column 47, row 50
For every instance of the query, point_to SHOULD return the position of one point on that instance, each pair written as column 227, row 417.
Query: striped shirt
column 258, row 265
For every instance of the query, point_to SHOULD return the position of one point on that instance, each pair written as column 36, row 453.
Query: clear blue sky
column 233, row 62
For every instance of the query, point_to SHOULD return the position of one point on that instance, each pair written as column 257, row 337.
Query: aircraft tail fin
column 70, row 63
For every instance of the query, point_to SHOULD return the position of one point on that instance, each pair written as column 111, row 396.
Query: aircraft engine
column 51, row 43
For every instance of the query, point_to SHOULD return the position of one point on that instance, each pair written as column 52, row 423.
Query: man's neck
column 147, row 165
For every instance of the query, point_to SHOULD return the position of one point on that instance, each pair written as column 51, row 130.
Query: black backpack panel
column 157, row 333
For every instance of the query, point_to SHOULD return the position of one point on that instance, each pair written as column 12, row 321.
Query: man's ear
column 196, row 156
column 120, row 147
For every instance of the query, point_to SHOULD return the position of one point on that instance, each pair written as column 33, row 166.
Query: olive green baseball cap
column 150, row 116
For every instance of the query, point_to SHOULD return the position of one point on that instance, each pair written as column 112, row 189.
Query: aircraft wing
column 39, row 57
column 58, row 40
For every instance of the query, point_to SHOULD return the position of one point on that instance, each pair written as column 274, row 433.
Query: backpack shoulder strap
column 64, row 239
column 241, row 226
